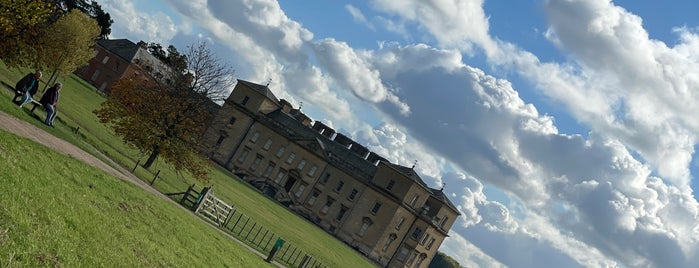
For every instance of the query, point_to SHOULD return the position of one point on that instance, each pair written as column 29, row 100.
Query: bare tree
column 206, row 73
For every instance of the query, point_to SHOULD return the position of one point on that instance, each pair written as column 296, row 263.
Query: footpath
column 26, row 130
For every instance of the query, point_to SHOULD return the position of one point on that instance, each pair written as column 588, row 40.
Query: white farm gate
column 213, row 209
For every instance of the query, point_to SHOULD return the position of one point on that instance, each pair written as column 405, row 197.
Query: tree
column 171, row 57
column 441, row 260
column 69, row 43
column 21, row 24
column 92, row 9
column 168, row 120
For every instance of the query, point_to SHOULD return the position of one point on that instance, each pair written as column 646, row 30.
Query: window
column 424, row 239
column 280, row 152
column 341, row 213
column 420, row 259
column 389, row 240
column 412, row 202
column 95, row 75
column 313, row 198
column 268, row 144
column 280, row 175
column 410, row 260
column 312, row 171
column 245, row 100
column 416, row 233
column 404, row 251
column 299, row 190
column 400, row 223
column 443, row 222
column 365, row 225
column 231, row 121
column 327, row 205
column 220, row 140
column 325, row 179
column 105, row 60
column 291, row 158
column 429, row 245
column 352, row 194
column 302, row 164
column 256, row 163
column 103, row 86
column 268, row 170
column 339, row 186
column 390, row 184
column 254, row 137
column 376, row 208
column 243, row 155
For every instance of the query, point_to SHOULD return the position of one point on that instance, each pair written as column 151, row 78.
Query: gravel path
column 29, row 131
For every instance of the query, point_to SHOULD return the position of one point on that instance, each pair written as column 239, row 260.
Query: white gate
column 214, row 210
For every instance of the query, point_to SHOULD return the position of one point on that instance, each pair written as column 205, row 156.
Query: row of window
column 280, row 152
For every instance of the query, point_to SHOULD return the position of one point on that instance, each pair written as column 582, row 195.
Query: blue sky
column 564, row 130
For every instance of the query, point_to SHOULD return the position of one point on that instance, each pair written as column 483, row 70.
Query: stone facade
column 383, row 210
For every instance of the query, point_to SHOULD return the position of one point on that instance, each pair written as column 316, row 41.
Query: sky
column 563, row 130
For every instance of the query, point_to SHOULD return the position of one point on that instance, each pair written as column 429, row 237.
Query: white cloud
column 157, row 27
column 581, row 201
column 648, row 87
column 358, row 16
column 352, row 71
column 454, row 23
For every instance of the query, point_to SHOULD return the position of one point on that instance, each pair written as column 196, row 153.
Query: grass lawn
column 56, row 211
column 75, row 107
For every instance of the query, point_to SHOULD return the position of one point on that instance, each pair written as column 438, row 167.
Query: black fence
column 254, row 234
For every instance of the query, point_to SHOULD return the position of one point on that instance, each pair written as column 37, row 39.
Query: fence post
column 304, row 261
column 275, row 249
column 201, row 198
column 184, row 196
column 155, row 177
column 134, row 167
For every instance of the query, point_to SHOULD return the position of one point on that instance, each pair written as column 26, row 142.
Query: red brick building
column 118, row 58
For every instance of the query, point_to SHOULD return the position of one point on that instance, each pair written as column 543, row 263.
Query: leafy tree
column 171, row 57
column 441, row 260
column 168, row 119
column 92, row 9
column 69, row 43
column 21, row 24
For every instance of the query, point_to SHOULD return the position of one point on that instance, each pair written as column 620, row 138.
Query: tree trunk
column 152, row 157
column 49, row 82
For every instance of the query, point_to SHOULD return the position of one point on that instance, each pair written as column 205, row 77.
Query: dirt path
column 29, row 131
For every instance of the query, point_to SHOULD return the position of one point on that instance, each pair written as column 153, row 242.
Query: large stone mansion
column 381, row 209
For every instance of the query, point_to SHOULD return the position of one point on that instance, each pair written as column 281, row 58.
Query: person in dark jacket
column 28, row 86
column 49, row 100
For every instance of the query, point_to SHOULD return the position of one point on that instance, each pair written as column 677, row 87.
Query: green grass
column 75, row 107
column 56, row 211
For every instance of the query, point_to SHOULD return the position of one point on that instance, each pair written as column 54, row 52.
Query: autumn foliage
column 161, row 120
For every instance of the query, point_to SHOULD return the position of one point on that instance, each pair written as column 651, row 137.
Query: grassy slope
column 77, row 102
column 57, row 211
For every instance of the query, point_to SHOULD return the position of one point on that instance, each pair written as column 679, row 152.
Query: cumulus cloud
column 577, row 200
column 453, row 23
column 648, row 86
column 482, row 125
column 351, row 70
column 149, row 27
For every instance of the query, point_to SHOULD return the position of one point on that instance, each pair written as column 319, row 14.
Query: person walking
column 27, row 86
column 49, row 101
